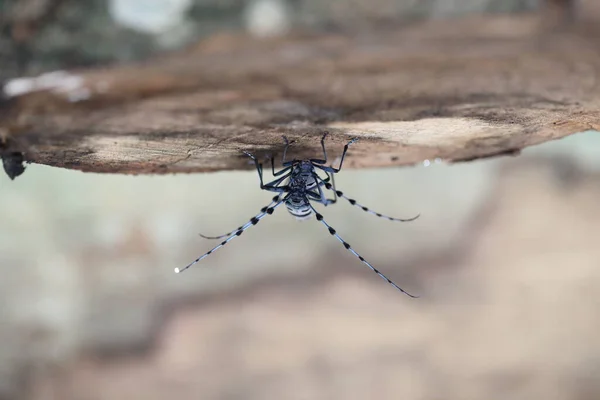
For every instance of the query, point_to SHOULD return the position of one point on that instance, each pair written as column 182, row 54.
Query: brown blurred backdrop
column 505, row 258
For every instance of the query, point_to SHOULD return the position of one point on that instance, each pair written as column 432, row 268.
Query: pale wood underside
column 454, row 90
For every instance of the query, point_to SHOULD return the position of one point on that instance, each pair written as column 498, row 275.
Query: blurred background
column 505, row 255
column 40, row 35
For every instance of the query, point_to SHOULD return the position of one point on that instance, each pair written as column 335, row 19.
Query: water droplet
column 177, row 270
column 426, row 163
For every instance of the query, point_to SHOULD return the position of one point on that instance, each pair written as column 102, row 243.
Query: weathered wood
column 454, row 90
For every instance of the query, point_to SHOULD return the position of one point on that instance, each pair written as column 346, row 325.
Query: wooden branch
column 454, row 90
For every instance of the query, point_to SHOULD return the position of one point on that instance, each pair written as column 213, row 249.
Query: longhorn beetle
column 296, row 185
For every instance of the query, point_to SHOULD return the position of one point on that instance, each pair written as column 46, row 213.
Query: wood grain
column 455, row 90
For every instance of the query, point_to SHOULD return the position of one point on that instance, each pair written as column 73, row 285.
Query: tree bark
column 454, row 90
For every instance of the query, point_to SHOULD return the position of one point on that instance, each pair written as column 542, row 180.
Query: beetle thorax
column 301, row 180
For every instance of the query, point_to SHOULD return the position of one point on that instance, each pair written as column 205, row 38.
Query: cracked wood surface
column 456, row 90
